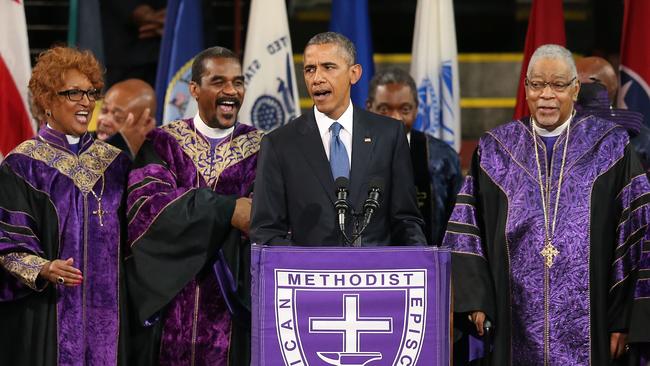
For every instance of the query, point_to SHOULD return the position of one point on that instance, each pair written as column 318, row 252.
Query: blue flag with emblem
column 181, row 41
column 350, row 18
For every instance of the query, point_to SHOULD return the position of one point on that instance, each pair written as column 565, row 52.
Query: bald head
column 135, row 94
column 597, row 69
column 128, row 96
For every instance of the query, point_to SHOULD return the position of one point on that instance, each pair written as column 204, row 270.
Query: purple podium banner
column 371, row 306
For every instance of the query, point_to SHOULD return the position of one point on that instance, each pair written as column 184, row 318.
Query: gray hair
column 552, row 51
column 349, row 51
column 392, row 75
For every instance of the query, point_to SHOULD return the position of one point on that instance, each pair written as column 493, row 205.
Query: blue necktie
column 338, row 154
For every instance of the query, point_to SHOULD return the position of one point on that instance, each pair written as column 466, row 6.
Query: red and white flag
column 15, row 69
column 545, row 25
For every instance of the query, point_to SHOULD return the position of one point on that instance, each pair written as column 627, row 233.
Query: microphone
column 487, row 326
column 372, row 202
column 488, row 329
column 341, row 203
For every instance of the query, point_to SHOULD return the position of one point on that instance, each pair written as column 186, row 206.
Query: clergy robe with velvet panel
column 49, row 209
column 562, row 314
column 188, row 275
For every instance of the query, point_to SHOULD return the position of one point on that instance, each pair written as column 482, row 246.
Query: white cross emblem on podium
column 351, row 325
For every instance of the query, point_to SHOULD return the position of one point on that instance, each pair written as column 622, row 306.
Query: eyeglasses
column 75, row 95
column 558, row 86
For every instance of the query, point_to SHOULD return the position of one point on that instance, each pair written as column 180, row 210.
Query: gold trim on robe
column 84, row 170
column 25, row 267
column 241, row 147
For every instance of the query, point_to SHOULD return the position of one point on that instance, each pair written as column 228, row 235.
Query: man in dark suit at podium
column 295, row 188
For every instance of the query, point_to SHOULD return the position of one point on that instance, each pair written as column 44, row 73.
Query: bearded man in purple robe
column 187, row 274
column 549, row 233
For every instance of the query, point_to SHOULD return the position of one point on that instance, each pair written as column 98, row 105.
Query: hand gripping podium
column 374, row 306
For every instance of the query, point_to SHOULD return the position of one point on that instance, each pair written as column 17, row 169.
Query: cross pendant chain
column 549, row 253
column 99, row 212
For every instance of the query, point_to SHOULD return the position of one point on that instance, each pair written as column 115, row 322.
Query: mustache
column 236, row 101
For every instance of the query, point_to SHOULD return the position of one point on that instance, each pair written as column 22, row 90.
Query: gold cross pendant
column 99, row 212
column 549, row 253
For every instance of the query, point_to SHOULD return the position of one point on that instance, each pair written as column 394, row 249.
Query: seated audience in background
column 132, row 30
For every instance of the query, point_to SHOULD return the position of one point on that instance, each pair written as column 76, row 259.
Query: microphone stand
column 341, row 205
column 359, row 220
column 356, row 233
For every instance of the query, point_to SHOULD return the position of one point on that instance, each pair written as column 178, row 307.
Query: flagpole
column 73, row 21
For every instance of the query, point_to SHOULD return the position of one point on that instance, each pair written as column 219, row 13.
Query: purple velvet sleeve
column 632, row 231
column 473, row 286
column 462, row 230
column 151, row 189
column 18, row 234
column 633, row 254
column 160, row 176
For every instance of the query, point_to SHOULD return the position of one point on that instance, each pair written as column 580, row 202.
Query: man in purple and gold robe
column 60, row 197
column 549, row 233
column 188, row 276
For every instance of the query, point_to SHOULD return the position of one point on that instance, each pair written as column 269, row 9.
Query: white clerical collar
column 72, row 140
column 325, row 122
column 209, row 132
column 556, row 132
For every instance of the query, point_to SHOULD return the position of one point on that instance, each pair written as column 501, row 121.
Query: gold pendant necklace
column 99, row 212
column 549, row 252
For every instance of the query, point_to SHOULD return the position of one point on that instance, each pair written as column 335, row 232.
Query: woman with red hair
column 59, row 228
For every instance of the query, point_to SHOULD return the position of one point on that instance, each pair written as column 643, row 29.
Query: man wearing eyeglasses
column 549, row 231
column 127, row 114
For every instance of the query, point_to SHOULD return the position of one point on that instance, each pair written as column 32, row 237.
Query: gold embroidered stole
column 84, row 170
column 226, row 155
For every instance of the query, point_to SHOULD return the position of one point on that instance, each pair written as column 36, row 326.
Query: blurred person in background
column 436, row 166
column 599, row 87
column 132, row 31
column 126, row 115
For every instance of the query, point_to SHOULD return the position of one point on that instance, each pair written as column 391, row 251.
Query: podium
column 374, row 306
